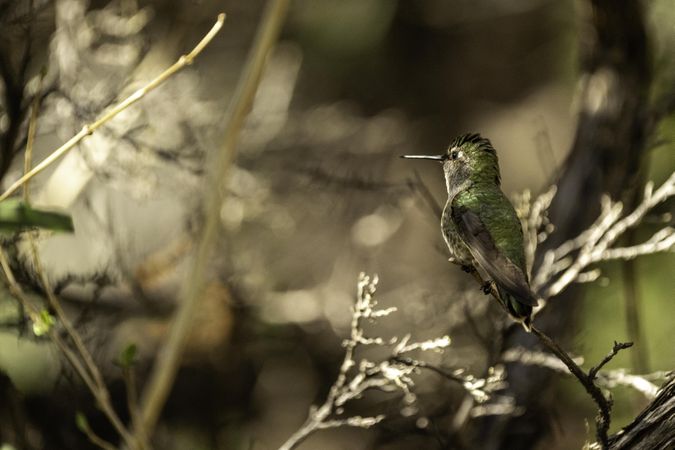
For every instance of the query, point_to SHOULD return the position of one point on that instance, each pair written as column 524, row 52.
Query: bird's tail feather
column 520, row 311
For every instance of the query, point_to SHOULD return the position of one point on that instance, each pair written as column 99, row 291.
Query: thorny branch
column 586, row 379
column 618, row 346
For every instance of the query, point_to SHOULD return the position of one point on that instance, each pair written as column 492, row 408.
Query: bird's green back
column 496, row 212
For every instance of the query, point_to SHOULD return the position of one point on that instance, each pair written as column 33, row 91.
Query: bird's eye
column 454, row 154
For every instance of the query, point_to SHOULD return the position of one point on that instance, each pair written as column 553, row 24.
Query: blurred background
column 316, row 196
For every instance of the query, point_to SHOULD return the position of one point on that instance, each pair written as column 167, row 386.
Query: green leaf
column 81, row 422
column 127, row 357
column 16, row 215
column 43, row 323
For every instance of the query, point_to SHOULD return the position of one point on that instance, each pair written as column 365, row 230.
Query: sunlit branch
column 88, row 129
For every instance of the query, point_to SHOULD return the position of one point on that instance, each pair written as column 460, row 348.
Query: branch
column 354, row 378
column 480, row 389
column 607, row 379
column 168, row 360
column 559, row 268
column 618, row 346
column 534, row 219
column 81, row 361
column 654, row 427
column 32, row 129
column 318, row 417
column 587, row 380
column 87, row 130
column 593, row 245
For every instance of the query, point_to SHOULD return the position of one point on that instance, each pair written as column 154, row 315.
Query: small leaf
column 81, row 422
column 43, row 322
column 127, row 357
column 16, row 215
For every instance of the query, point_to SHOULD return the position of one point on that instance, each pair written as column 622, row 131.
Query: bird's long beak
column 432, row 157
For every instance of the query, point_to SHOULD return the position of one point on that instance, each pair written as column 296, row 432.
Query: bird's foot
column 486, row 287
column 468, row 268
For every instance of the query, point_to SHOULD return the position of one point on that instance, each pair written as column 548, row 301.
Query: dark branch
column 618, row 346
column 654, row 427
column 587, row 380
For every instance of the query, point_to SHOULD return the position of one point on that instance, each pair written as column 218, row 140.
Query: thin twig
column 479, row 389
column 587, row 381
column 618, row 346
column 102, row 398
column 129, row 376
column 82, row 361
column 32, row 129
column 595, row 244
column 97, row 385
column 168, row 360
column 183, row 61
column 393, row 374
column 97, row 440
column 606, row 379
column 319, row 415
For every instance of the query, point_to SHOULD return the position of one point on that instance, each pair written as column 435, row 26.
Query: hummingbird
column 479, row 224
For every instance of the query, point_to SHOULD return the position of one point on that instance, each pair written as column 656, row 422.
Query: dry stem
column 99, row 391
column 168, row 360
column 81, row 360
column 559, row 268
column 183, row 61
column 32, row 129
column 388, row 375
column 587, row 380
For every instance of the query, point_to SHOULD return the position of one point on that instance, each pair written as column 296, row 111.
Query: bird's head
column 469, row 157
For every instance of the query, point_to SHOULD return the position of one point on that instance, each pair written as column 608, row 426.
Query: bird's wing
column 503, row 271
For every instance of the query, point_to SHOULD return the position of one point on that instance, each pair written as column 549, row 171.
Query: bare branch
column 587, row 380
column 653, row 428
column 355, row 378
column 480, row 389
column 618, row 346
column 607, row 379
column 559, row 268
column 167, row 363
column 183, row 61
column 98, row 390
column 641, row 383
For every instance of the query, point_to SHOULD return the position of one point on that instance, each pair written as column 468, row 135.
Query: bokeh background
column 317, row 195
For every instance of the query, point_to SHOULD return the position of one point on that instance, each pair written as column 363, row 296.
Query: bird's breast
column 456, row 246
